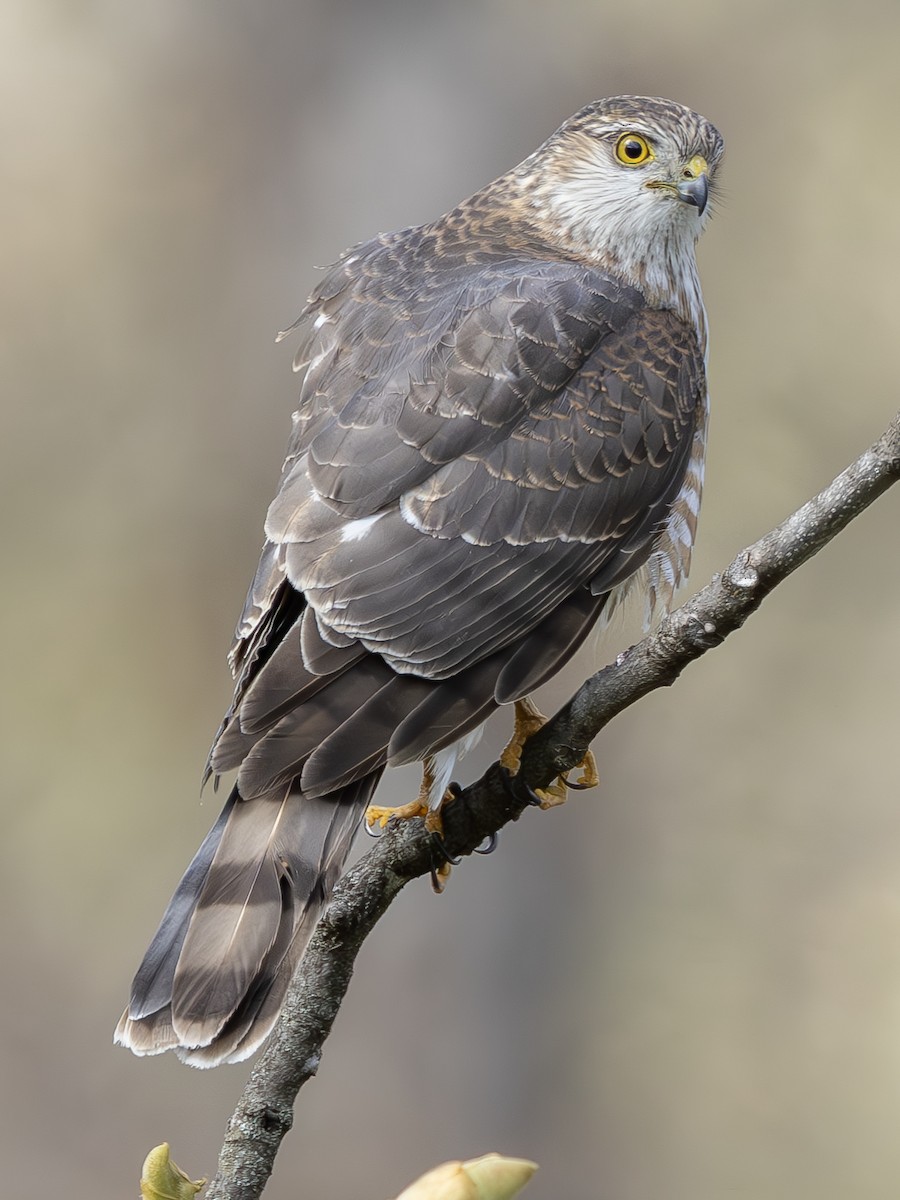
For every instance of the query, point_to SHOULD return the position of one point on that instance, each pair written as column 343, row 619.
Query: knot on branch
column 682, row 636
column 566, row 756
column 742, row 577
column 260, row 1124
column 276, row 1120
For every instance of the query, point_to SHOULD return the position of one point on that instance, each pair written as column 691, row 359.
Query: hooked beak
column 693, row 187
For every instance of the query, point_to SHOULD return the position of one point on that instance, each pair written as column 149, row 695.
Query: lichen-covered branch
column 265, row 1110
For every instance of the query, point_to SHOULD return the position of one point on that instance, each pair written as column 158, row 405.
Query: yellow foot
column 553, row 795
column 590, row 776
column 376, row 815
column 422, row 806
column 529, row 719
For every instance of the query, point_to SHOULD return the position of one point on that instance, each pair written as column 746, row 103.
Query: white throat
column 645, row 236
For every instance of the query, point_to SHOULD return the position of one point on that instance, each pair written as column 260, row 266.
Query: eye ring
column 632, row 149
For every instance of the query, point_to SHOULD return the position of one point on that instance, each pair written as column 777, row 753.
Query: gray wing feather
column 557, row 466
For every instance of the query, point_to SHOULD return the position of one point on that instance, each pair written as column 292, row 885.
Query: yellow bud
column 446, row 1182
column 490, row 1177
column 161, row 1179
column 498, row 1178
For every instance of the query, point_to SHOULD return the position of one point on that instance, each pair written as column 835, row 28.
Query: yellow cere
column 696, row 167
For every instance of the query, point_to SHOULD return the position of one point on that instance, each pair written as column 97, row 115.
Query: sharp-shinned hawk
column 501, row 425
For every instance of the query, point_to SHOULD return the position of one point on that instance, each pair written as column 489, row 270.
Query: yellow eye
column 632, row 149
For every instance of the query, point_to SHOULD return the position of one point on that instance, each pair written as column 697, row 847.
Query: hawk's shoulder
column 401, row 336
column 529, row 428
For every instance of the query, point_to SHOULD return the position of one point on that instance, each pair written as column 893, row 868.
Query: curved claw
column 440, row 870
column 576, row 787
column 440, row 845
column 490, row 843
column 517, row 790
column 372, row 831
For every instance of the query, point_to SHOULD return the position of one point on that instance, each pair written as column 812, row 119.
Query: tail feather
column 237, row 918
column 254, row 1018
column 152, row 987
column 308, row 750
column 213, row 981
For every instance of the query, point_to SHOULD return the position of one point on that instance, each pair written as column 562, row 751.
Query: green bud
column 161, row 1179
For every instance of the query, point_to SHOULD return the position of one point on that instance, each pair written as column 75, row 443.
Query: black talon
column 370, row 830
column 576, row 787
column 517, row 790
column 489, row 845
column 440, row 845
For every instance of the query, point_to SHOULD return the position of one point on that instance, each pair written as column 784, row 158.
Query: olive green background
column 684, row 985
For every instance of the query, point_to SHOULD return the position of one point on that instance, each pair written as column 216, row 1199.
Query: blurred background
column 683, row 985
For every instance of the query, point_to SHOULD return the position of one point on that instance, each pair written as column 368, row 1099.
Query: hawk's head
column 625, row 182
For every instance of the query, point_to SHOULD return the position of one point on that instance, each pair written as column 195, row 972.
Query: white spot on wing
column 354, row 530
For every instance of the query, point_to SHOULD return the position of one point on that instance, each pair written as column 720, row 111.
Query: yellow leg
column 420, row 807
column 528, row 720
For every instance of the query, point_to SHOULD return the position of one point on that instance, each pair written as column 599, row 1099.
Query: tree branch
column 265, row 1110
